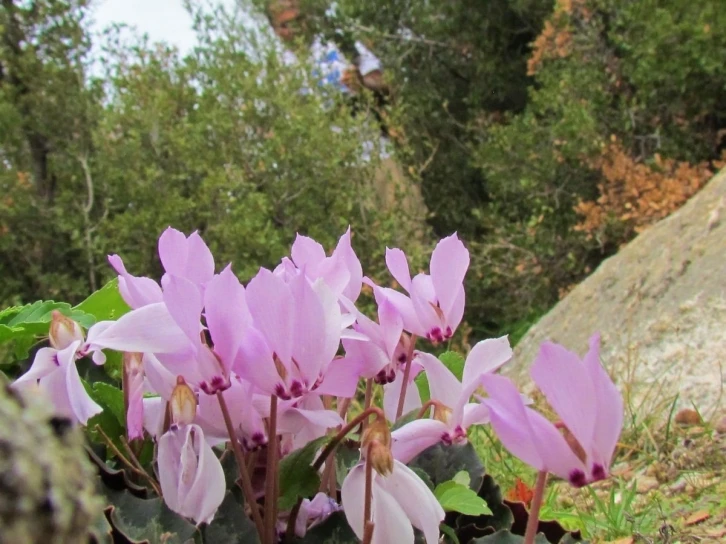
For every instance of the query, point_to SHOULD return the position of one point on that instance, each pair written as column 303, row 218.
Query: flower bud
column 63, row 331
column 376, row 443
column 183, row 403
column 442, row 413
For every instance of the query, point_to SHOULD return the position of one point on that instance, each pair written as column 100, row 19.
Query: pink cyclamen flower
column 191, row 476
column 399, row 500
column 185, row 257
column 172, row 329
column 313, row 512
column 453, row 413
column 133, row 389
column 291, row 349
column 583, row 396
column 435, row 305
column 342, row 271
column 55, row 373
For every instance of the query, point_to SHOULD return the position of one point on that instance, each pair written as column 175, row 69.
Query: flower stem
column 364, row 415
column 426, row 406
column 533, row 521
column 368, row 398
column 271, row 481
column 369, row 489
column 327, row 451
column 406, row 374
column 368, row 533
column 242, row 467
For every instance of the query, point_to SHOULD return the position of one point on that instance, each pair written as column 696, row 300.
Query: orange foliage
column 637, row 194
column 521, row 492
column 555, row 40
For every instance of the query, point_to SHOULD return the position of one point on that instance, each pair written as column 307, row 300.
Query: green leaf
column 449, row 534
column 24, row 323
column 462, row 478
column 455, row 497
column 230, row 524
column 453, row 361
column 297, row 476
column 111, row 398
column 504, row 536
column 147, row 520
column 442, row 463
column 104, row 304
column 422, row 383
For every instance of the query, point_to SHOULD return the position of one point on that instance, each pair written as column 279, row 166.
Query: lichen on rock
column 47, row 483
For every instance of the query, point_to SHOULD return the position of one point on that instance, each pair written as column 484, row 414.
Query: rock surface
column 660, row 306
column 47, row 490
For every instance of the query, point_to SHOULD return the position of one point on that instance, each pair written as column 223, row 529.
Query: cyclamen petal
column 191, row 476
column 136, row 291
column 184, row 257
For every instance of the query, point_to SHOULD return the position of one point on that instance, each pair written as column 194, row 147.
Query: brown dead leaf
column 624, row 540
column 697, row 517
column 716, row 533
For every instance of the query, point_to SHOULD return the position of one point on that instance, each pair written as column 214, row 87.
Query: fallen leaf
column 624, row 540
column 521, row 492
column 716, row 533
column 697, row 517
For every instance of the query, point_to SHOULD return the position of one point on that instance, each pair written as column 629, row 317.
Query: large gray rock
column 660, row 305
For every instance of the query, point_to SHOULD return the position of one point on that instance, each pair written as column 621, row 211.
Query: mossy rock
column 47, row 491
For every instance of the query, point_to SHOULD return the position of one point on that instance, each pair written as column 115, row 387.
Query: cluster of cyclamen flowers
column 208, row 361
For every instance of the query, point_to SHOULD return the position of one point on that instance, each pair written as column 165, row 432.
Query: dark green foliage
column 297, row 476
column 442, row 463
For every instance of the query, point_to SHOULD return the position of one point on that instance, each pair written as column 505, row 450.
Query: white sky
column 162, row 20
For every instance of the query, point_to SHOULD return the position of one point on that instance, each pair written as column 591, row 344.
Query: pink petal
column 368, row 357
column 341, row 378
column 344, row 250
column 227, row 315
column 416, row 500
column 398, row 266
column 392, row 392
column 173, row 251
column 255, row 364
column 44, row 363
column 191, row 477
column 456, row 312
column 474, row 414
column 136, row 291
column 404, row 306
column 609, row 421
column 154, row 414
column 449, row 263
column 526, row 433
column 200, row 262
column 391, row 325
column 422, row 297
column 149, row 329
column 415, row 437
column 443, row 385
column 307, row 252
column 486, row 356
column 271, row 305
column 352, row 495
column 184, row 302
column 568, row 388
column 161, row 380
column 391, row 523
column 309, row 329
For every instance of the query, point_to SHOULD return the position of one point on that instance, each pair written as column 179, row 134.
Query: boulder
column 660, row 306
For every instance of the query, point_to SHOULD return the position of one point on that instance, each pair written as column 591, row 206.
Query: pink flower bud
column 63, row 331
column 183, row 403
